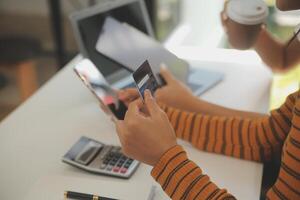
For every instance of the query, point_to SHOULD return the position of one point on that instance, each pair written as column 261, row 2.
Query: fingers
column 223, row 14
column 166, row 74
column 158, row 93
column 133, row 108
column 120, row 126
column 136, row 111
column 128, row 94
column 151, row 104
column 139, row 102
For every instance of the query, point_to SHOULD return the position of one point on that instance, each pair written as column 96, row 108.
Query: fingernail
column 163, row 66
column 148, row 93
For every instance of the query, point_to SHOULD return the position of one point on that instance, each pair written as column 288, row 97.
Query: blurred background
column 36, row 40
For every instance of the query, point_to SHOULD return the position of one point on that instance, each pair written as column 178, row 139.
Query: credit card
column 144, row 79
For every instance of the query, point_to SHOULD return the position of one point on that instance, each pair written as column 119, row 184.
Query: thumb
column 166, row 74
column 133, row 109
column 120, row 127
column 150, row 102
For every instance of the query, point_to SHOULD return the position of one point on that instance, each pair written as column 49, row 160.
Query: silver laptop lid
column 131, row 47
column 87, row 25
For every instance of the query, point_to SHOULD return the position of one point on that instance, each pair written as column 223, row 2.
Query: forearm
column 276, row 54
column 251, row 139
column 200, row 106
column 286, row 5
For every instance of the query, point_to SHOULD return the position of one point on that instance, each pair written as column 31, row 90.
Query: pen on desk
column 83, row 196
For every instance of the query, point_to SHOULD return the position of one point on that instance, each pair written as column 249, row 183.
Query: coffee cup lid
column 248, row 12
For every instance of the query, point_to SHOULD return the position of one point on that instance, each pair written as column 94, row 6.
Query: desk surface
column 36, row 135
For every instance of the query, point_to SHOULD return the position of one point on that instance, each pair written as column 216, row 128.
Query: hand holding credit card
column 144, row 79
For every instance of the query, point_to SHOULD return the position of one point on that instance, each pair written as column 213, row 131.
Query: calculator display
column 88, row 152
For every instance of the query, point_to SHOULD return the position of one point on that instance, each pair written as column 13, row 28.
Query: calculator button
column 105, row 162
column 129, row 161
column 112, row 163
column 127, row 165
column 109, row 168
column 116, row 169
column 123, row 170
column 119, row 164
column 115, row 149
column 114, row 160
column 118, row 155
column 124, row 157
column 110, row 155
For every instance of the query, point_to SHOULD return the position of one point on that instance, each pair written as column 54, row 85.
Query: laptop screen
column 90, row 28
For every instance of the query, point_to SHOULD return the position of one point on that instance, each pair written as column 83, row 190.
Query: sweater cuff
column 175, row 154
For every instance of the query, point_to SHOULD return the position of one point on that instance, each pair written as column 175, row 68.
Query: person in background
column 279, row 56
column 151, row 136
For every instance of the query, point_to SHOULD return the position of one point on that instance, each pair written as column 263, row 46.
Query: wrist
column 191, row 104
column 200, row 106
column 260, row 37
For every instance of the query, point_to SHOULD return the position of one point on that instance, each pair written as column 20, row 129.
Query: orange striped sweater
column 257, row 140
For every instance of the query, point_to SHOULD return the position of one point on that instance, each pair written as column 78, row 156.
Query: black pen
column 82, row 196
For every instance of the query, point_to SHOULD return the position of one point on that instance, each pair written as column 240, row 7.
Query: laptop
column 88, row 24
column 131, row 47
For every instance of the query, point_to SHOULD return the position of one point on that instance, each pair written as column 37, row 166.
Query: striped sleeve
column 249, row 139
column 287, row 185
column 255, row 140
column 182, row 179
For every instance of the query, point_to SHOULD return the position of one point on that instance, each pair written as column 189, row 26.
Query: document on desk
column 53, row 187
column 157, row 193
column 131, row 47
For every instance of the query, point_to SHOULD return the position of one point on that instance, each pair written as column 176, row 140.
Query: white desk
column 35, row 136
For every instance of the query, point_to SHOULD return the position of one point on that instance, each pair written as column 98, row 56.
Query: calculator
column 96, row 157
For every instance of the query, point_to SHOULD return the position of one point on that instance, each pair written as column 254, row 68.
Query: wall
column 35, row 7
column 31, row 18
column 203, row 16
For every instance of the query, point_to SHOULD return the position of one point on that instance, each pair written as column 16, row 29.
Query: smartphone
column 96, row 83
column 144, row 79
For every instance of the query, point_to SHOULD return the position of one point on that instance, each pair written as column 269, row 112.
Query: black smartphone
column 145, row 79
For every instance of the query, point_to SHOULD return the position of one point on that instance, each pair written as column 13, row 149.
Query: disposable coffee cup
column 245, row 19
